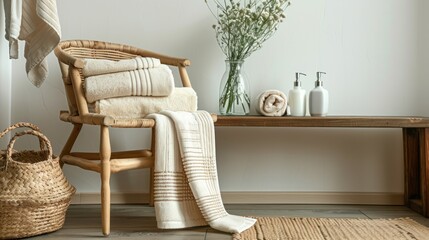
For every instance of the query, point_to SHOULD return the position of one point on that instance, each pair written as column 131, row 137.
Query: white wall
column 423, row 79
column 368, row 48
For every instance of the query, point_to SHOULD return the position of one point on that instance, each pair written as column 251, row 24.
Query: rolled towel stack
column 130, row 77
column 272, row 103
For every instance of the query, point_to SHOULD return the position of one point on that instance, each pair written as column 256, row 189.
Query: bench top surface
column 328, row 121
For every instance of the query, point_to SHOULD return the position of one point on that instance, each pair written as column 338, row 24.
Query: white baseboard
column 264, row 198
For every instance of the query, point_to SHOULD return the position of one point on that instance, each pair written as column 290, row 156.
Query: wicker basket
column 34, row 193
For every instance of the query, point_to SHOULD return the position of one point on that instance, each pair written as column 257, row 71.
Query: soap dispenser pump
column 319, row 98
column 297, row 102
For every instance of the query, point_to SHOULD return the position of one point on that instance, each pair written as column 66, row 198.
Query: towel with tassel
column 272, row 103
column 157, row 81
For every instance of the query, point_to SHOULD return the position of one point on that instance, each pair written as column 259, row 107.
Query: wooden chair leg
column 70, row 141
column 105, row 153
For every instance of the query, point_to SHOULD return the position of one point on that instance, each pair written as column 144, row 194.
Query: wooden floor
column 138, row 221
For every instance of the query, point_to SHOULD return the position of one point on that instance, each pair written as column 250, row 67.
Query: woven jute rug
column 283, row 228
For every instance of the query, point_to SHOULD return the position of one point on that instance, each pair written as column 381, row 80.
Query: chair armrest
column 169, row 60
column 67, row 58
column 89, row 118
column 78, row 63
column 105, row 120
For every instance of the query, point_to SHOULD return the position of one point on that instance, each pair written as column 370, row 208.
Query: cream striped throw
column 186, row 187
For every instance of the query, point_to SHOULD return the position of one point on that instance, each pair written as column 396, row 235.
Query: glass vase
column 234, row 97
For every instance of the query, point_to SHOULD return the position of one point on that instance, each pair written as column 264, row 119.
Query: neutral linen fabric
column 13, row 15
column 181, row 99
column 272, row 103
column 94, row 67
column 175, row 205
column 158, row 81
column 186, row 188
column 40, row 29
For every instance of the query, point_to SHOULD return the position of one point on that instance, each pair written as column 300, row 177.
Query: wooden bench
column 415, row 132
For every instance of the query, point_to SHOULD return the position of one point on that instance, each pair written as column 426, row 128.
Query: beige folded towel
column 272, row 103
column 101, row 66
column 181, row 99
column 157, row 81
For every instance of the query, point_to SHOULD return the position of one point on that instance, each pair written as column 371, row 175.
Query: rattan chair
column 105, row 162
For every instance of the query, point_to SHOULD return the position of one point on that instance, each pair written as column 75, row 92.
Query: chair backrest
column 71, row 53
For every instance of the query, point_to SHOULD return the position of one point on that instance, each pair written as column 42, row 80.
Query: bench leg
column 416, row 169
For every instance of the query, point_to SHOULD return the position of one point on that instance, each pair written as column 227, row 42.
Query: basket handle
column 22, row 124
column 42, row 138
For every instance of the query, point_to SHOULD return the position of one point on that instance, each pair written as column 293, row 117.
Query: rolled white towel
column 272, row 103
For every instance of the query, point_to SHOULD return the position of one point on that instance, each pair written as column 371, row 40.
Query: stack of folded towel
column 134, row 88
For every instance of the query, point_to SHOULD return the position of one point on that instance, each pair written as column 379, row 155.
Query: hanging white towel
column 37, row 23
column 13, row 14
column 41, row 30
column 186, row 187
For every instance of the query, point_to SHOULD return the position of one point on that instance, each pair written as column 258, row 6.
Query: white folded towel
column 186, row 188
column 181, row 99
column 101, row 66
column 272, row 103
column 158, row 81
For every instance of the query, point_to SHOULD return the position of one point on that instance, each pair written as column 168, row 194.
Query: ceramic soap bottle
column 297, row 102
column 318, row 98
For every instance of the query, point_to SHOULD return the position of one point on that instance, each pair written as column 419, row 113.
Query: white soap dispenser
column 319, row 98
column 297, row 102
